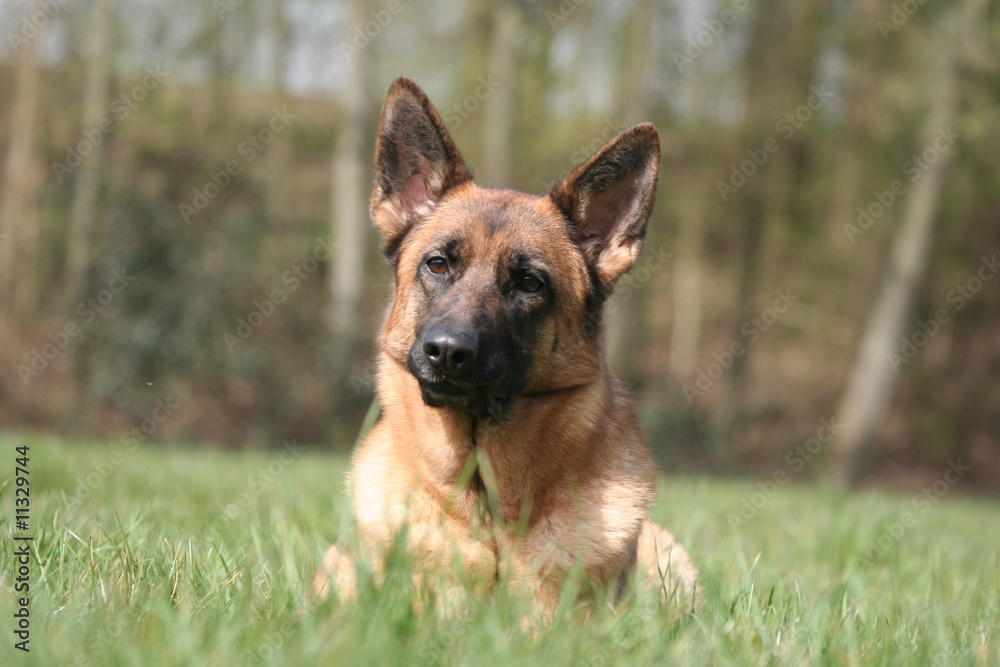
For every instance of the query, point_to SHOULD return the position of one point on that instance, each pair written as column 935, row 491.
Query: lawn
column 168, row 556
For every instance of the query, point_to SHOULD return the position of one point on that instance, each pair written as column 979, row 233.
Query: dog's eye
column 438, row 265
column 529, row 283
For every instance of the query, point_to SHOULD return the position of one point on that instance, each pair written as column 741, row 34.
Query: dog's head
column 499, row 293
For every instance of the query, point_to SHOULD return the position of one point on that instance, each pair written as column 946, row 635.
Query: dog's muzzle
column 457, row 368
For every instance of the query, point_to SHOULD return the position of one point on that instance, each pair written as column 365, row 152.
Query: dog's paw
column 336, row 575
column 664, row 565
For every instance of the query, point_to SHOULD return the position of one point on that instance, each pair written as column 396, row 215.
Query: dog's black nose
column 448, row 351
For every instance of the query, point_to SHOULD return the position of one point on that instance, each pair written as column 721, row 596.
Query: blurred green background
column 186, row 257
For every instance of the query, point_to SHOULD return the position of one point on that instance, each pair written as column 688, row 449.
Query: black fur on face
column 482, row 311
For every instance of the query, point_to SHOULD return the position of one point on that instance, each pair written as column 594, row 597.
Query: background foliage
column 778, row 122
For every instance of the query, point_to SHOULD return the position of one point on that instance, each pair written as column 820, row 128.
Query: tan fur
column 565, row 480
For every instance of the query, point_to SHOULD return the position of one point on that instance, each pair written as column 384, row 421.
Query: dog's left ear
column 416, row 163
column 609, row 198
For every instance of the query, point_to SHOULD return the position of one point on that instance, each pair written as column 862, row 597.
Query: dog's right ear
column 416, row 163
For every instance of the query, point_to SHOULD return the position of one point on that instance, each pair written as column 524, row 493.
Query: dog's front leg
column 443, row 559
column 664, row 565
column 442, row 548
column 336, row 575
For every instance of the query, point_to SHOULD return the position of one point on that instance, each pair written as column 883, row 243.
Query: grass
column 144, row 571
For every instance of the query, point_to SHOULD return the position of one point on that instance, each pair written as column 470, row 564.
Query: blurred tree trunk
column 631, row 106
column 583, row 29
column 211, row 44
column 276, row 186
column 693, row 198
column 865, row 47
column 761, row 106
column 782, row 58
column 871, row 381
column 499, row 122
column 479, row 27
column 88, row 178
column 536, row 78
column 632, row 83
column 685, row 328
column 349, row 211
column 20, row 219
column 864, row 112
column 281, row 41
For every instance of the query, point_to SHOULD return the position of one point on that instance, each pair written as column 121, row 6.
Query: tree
column 873, row 374
column 694, row 192
column 768, row 191
column 631, row 92
column 349, row 214
column 280, row 32
column 19, row 215
column 498, row 126
column 863, row 48
column 88, row 177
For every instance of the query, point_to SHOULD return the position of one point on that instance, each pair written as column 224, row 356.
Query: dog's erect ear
column 416, row 163
column 608, row 200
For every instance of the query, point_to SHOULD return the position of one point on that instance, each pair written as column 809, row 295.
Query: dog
column 505, row 446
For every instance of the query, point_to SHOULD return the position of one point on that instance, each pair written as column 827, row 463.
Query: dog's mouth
column 483, row 402
column 448, row 388
column 483, row 386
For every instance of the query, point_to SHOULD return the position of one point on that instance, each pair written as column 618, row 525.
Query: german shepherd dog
column 505, row 445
